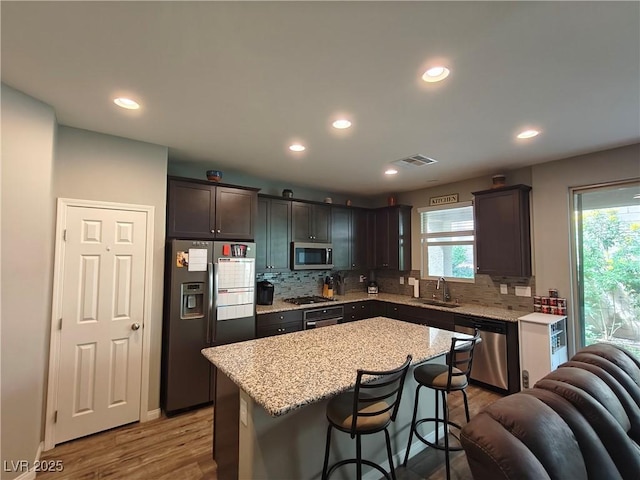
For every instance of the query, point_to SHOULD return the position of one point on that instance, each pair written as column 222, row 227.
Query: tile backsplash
column 485, row 291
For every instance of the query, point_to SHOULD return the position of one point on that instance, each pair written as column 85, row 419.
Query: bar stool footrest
column 438, row 422
column 342, row 463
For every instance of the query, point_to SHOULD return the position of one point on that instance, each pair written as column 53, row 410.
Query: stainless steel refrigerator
column 209, row 301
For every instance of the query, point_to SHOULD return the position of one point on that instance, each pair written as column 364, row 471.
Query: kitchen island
column 271, row 395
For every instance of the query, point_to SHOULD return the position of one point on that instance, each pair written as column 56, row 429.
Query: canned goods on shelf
column 553, row 292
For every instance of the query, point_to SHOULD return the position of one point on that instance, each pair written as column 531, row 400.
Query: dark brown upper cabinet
column 503, row 238
column 201, row 210
column 393, row 238
column 273, row 234
column 311, row 222
column 342, row 237
column 350, row 238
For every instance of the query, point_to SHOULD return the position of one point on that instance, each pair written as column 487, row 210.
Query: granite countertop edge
column 495, row 313
column 270, row 369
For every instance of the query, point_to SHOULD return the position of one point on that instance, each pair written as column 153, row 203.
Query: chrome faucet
column 445, row 290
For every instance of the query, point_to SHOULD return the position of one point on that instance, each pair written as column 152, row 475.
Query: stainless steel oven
column 322, row 317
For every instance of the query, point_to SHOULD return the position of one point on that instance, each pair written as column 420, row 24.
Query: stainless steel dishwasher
column 490, row 355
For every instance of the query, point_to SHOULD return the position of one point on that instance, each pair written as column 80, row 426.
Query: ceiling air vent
column 416, row 160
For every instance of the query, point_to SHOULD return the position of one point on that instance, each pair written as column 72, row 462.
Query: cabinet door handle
column 218, row 231
column 213, row 231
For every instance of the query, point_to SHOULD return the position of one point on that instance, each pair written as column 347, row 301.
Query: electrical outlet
column 523, row 291
column 401, row 280
column 362, row 278
column 412, row 281
column 525, row 379
column 504, row 290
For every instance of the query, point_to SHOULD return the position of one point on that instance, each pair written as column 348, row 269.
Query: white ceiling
column 232, row 84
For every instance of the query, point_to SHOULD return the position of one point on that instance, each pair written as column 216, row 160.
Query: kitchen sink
column 438, row 303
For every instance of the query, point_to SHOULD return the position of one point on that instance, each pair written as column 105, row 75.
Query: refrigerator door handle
column 210, row 316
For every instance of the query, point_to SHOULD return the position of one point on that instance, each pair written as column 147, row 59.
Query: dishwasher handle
column 484, row 325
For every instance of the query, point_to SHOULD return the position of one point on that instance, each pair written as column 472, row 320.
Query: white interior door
column 102, row 305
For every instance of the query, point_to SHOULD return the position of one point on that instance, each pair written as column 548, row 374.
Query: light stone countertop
column 464, row 308
column 286, row 372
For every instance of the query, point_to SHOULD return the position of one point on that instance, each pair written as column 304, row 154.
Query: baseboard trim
column 31, row 473
column 153, row 414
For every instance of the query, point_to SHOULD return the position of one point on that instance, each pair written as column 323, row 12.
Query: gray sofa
column 581, row 421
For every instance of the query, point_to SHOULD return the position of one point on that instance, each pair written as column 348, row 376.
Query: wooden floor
column 179, row 448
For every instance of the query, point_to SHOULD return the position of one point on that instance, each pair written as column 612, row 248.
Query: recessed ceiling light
column 126, row 103
column 296, row 147
column 391, row 171
column 528, row 134
column 342, row 123
column 435, row 74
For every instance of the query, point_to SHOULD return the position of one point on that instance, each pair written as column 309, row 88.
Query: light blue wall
column 27, row 220
column 94, row 166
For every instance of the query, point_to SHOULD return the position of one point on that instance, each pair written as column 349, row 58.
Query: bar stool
column 444, row 379
column 369, row 408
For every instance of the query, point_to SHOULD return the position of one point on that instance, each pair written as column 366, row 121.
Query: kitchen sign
column 443, row 200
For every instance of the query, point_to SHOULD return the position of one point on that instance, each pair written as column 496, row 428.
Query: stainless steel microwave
column 311, row 256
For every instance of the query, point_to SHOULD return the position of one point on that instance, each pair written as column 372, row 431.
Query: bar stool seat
column 340, row 413
column 438, row 375
column 443, row 379
column 370, row 408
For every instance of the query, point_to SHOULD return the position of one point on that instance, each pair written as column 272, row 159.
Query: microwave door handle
column 327, row 259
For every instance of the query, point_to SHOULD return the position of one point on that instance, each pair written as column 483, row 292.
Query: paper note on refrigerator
column 197, row 259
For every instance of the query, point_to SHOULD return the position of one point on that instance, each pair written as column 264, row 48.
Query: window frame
column 424, row 244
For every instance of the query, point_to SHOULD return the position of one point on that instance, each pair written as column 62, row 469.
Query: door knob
column 135, row 326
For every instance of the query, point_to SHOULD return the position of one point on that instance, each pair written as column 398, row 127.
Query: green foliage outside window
column 611, row 267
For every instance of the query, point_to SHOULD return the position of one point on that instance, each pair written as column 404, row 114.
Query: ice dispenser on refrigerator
column 192, row 300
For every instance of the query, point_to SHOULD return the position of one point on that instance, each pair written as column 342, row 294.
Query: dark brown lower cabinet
column 269, row 324
column 357, row 311
column 426, row 316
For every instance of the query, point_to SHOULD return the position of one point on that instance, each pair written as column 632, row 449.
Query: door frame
column 574, row 323
column 56, row 305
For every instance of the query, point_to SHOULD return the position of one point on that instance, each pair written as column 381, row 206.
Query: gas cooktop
column 308, row 300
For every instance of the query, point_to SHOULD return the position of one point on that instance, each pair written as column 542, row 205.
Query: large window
column 607, row 261
column 447, row 241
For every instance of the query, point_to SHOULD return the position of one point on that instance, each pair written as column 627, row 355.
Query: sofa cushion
column 522, row 438
column 625, row 378
column 629, row 405
column 611, row 426
column 597, row 461
column 581, row 421
column 621, row 358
